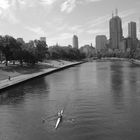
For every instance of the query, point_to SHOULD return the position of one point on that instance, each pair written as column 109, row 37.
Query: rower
column 60, row 115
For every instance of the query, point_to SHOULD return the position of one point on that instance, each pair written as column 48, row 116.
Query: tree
column 9, row 48
column 67, row 53
column 41, row 49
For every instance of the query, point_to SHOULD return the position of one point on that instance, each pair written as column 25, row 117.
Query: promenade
column 4, row 84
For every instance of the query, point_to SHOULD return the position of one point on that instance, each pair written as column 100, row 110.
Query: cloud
column 98, row 21
column 4, row 4
column 61, row 37
column 127, row 13
column 10, row 17
column 37, row 30
column 65, row 35
column 27, row 3
column 23, row 2
column 7, row 12
column 47, row 2
column 76, row 29
column 97, row 31
column 68, row 6
column 92, row 0
column 18, row 4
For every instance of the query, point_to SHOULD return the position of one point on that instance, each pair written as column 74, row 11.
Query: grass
column 16, row 70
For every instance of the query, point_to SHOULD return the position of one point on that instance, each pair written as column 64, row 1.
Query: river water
column 101, row 101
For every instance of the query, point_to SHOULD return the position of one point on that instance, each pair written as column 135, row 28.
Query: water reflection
column 37, row 85
column 12, row 96
column 116, row 78
column 16, row 95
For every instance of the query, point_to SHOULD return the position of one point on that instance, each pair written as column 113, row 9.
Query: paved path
column 22, row 78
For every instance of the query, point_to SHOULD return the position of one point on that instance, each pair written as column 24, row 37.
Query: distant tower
column 57, row 44
column 116, row 12
column 116, row 35
column 43, row 39
column 112, row 14
column 91, row 45
column 101, row 41
column 139, row 24
column 75, row 42
column 132, row 30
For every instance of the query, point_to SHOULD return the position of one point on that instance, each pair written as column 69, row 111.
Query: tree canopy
column 30, row 52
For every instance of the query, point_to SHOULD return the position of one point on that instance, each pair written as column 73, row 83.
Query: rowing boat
column 59, row 119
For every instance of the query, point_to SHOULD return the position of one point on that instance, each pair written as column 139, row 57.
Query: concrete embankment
column 5, row 84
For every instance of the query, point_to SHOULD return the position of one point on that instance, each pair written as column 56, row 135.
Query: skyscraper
column 116, row 35
column 75, row 42
column 101, row 41
column 132, row 31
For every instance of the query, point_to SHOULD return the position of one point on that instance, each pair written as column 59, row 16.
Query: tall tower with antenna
column 115, row 29
column 116, row 12
column 139, row 24
column 112, row 14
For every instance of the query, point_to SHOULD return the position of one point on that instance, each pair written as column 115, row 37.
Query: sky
column 59, row 20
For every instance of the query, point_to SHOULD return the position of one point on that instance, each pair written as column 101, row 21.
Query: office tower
column 75, row 42
column 132, row 31
column 116, row 35
column 101, row 41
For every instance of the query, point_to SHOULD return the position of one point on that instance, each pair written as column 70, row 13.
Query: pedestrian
column 9, row 78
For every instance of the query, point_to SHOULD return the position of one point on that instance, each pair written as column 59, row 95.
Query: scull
column 60, row 115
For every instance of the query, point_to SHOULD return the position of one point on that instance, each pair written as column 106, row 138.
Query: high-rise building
column 101, row 41
column 116, row 34
column 43, row 39
column 75, row 42
column 132, row 30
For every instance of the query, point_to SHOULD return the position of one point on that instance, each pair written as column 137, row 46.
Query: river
column 101, row 101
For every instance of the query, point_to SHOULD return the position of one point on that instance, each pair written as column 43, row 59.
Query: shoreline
column 6, row 84
column 133, row 61
column 115, row 58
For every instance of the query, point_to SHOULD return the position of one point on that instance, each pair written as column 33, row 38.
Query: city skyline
column 59, row 20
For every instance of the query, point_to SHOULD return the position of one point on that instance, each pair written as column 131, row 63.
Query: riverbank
column 22, row 74
column 17, row 70
column 133, row 61
column 115, row 58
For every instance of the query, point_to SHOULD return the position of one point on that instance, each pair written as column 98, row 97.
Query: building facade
column 43, row 39
column 101, row 42
column 75, row 42
column 132, row 30
column 116, row 33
